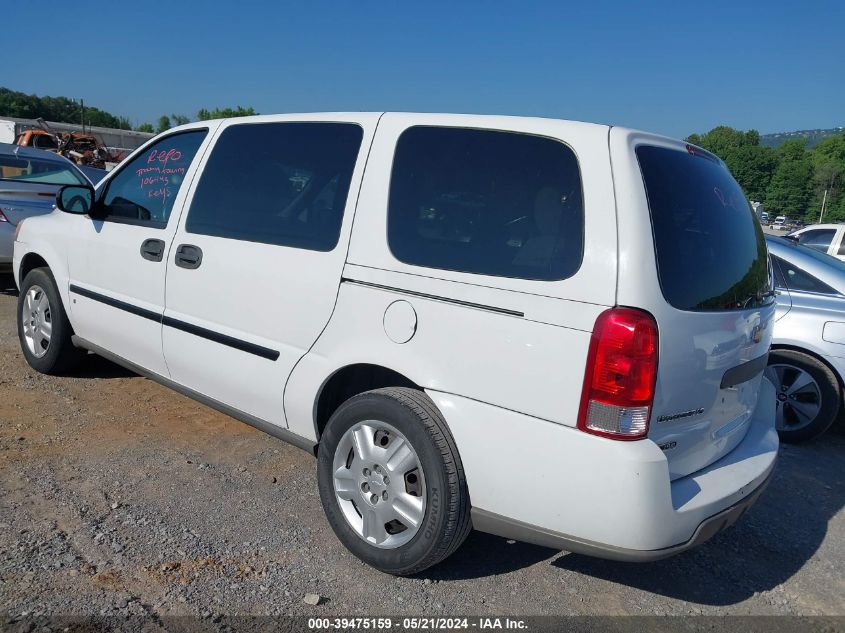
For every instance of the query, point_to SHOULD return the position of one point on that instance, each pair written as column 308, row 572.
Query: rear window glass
column 711, row 252
column 486, row 202
column 799, row 279
column 36, row 170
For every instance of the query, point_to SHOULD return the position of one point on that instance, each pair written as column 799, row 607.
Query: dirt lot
column 118, row 497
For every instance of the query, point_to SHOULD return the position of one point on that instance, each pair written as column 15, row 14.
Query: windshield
column 711, row 252
column 37, row 170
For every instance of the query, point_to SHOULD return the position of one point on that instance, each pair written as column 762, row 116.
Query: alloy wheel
column 799, row 397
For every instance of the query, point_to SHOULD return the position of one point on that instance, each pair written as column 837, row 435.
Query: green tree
column 723, row 140
column 753, row 166
column 789, row 191
column 224, row 113
column 828, row 159
column 179, row 119
column 60, row 109
column 163, row 123
column 145, row 127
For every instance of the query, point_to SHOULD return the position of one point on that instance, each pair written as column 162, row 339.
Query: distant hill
column 812, row 136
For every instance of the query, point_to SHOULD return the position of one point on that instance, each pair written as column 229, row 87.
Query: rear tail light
column 621, row 371
column 3, row 217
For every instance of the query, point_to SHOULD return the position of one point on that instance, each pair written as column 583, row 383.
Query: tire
column 807, row 411
column 43, row 328
column 428, row 485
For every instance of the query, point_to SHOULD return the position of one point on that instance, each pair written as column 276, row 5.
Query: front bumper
column 553, row 485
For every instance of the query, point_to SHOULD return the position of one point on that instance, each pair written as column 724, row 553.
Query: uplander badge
column 682, row 414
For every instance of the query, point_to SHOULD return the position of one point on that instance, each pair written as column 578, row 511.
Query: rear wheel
column 43, row 328
column 808, row 395
column 391, row 481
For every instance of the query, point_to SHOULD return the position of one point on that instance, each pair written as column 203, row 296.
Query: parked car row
column 432, row 303
column 783, row 223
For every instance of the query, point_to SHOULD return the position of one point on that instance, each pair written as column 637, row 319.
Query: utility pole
column 82, row 113
column 824, row 201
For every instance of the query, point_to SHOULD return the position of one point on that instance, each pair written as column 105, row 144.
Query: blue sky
column 673, row 67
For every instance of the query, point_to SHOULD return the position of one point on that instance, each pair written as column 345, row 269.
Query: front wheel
column 43, row 328
column 391, row 481
column 808, row 395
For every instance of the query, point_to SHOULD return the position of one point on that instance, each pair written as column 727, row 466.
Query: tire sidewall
column 828, row 390
column 373, row 406
column 48, row 362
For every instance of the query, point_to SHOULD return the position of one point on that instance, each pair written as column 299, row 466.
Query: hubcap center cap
column 375, row 483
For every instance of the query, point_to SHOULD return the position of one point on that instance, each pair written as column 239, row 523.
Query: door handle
column 152, row 250
column 188, row 256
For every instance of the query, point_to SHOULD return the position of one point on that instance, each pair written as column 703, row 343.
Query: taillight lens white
column 3, row 218
column 621, row 372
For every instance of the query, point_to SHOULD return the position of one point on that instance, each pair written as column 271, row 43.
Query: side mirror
column 77, row 199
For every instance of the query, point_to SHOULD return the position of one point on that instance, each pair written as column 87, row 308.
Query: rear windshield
column 36, row 170
column 711, row 253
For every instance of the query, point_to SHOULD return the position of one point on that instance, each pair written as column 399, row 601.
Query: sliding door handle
column 152, row 250
column 188, row 256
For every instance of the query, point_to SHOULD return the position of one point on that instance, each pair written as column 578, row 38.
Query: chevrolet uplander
column 546, row 330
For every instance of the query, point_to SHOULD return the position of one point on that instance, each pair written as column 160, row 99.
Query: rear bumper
column 510, row 528
column 566, row 489
column 7, row 243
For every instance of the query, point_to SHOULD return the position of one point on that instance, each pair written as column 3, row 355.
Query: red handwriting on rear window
column 727, row 202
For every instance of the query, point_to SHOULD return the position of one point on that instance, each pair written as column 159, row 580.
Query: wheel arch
column 29, row 262
column 42, row 255
column 803, row 350
column 349, row 381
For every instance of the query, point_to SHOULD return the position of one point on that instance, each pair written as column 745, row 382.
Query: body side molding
column 196, row 330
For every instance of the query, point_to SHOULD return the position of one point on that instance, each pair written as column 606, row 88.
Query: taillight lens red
column 620, row 376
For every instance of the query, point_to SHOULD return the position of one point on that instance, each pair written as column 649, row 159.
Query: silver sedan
column 807, row 360
column 29, row 180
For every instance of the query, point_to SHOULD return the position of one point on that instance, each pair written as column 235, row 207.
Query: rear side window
column 486, row 202
column 799, row 279
column 711, row 253
column 818, row 239
column 277, row 183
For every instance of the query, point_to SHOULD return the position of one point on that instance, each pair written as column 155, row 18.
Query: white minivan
column 546, row 330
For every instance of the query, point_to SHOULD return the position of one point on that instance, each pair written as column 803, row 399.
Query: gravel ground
column 119, row 497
